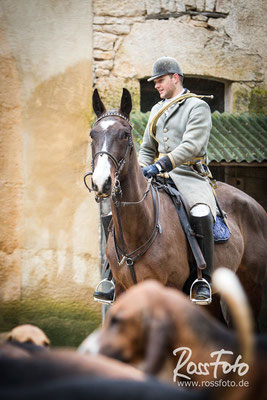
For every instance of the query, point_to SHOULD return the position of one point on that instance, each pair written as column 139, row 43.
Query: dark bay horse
column 154, row 238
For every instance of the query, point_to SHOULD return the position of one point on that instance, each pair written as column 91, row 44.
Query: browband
column 116, row 114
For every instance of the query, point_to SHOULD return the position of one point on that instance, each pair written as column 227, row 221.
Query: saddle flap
column 221, row 232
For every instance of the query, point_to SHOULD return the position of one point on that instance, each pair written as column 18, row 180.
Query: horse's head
column 111, row 143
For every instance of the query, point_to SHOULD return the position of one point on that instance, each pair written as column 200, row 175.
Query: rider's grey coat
column 184, row 134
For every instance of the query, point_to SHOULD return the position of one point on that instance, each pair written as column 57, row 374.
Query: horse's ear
column 98, row 106
column 160, row 336
column 126, row 103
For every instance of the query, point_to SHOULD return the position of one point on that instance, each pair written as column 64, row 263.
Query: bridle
column 119, row 164
column 116, row 194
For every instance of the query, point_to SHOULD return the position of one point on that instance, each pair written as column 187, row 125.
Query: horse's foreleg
column 119, row 289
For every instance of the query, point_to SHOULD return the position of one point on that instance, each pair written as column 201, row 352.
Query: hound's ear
column 98, row 106
column 161, row 333
column 126, row 103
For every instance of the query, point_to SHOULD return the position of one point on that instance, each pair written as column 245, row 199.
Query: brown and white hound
column 154, row 328
column 28, row 333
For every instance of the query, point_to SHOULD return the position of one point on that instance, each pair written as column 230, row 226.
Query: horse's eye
column 92, row 134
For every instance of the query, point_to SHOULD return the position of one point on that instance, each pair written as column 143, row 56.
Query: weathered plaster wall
column 49, row 228
column 217, row 39
column 11, row 174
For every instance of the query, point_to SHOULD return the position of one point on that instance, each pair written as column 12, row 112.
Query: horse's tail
column 229, row 286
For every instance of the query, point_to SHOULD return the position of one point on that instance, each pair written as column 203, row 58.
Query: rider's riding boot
column 202, row 224
column 109, row 295
column 104, row 296
column 106, row 219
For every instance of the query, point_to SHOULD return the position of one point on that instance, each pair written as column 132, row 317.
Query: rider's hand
column 165, row 163
column 162, row 165
column 151, row 170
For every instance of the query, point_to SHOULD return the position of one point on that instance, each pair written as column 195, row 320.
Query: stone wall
column 49, row 261
column 217, row 39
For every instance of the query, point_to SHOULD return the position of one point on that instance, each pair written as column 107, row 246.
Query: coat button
column 165, row 130
column 165, row 138
column 167, row 148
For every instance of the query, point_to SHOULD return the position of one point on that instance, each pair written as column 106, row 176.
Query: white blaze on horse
column 148, row 240
column 101, row 175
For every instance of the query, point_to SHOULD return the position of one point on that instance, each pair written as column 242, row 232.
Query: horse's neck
column 137, row 220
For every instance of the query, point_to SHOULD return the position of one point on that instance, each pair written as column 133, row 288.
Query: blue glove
column 162, row 165
column 151, row 170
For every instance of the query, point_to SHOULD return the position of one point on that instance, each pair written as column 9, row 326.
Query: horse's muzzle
column 104, row 190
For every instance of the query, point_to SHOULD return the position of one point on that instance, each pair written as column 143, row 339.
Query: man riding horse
column 177, row 136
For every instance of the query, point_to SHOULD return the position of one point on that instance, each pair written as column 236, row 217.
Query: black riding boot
column 107, row 296
column 104, row 296
column 203, row 227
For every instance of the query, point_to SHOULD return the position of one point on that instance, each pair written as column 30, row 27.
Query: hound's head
column 137, row 330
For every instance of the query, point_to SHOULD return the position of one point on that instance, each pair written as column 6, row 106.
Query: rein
column 116, row 194
column 132, row 203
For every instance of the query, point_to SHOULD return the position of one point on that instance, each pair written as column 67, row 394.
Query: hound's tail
column 229, row 286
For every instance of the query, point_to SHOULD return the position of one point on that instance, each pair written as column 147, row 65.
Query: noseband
column 119, row 164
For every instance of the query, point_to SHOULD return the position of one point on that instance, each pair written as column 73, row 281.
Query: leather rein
column 116, row 195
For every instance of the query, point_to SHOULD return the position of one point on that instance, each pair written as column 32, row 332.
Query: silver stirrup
column 112, row 287
column 200, row 302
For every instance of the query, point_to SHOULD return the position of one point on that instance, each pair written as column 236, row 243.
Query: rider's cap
column 165, row 66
